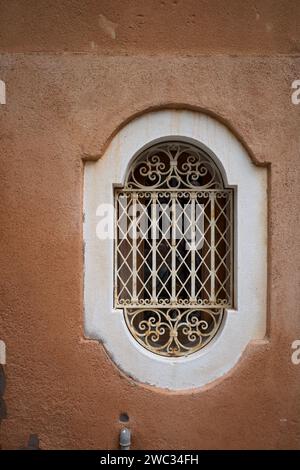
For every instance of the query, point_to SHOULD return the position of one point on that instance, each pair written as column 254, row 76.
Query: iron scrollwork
column 174, row 165
column 174, row 332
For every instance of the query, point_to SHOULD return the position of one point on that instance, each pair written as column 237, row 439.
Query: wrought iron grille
column 173, row 249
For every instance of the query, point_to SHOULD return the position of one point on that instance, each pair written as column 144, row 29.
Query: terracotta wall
column 75, row 71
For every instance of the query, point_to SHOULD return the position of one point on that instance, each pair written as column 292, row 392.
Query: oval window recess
column 244, row 314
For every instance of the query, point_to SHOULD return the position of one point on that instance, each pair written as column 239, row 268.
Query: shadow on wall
column 3, row 412
column 33, row 441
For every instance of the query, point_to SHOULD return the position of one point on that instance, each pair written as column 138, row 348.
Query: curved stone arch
column 248, row 321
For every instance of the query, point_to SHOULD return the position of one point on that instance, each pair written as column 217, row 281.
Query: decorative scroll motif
column 174, row 332
column 174, row 165
column 173, row 249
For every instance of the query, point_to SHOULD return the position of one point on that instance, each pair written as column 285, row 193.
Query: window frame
column 245, row 323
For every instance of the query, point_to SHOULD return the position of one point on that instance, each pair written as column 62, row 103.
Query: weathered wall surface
column 150, row 26
column 236, row 61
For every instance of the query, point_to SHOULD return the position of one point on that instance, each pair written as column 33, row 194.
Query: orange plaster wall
column 63, row 105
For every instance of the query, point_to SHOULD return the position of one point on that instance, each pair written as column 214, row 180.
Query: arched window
column 174, row 248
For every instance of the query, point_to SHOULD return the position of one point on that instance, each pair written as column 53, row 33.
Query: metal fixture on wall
column 125, row 439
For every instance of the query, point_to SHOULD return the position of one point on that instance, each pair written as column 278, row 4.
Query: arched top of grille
column 174, row 165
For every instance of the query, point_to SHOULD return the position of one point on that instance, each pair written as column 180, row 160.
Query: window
column 242, row 226
column 173, row 248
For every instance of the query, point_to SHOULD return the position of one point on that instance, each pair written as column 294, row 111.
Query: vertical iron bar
column 173, row 215
column 231, row 245
column 116, row 244
column 134, row 253
column 153, row 234
column 212, row 247
column 193, row 247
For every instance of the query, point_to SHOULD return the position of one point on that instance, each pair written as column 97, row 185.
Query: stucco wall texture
column 75, row 71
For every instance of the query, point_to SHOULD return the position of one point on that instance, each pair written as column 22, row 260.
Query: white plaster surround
column 242, row 325
column 2, row 353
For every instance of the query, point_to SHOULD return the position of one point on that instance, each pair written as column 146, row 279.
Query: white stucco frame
column 242, row 325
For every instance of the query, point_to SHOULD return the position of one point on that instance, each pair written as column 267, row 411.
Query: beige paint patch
column 2, row 92
column 2, row 353
column 109, row 27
